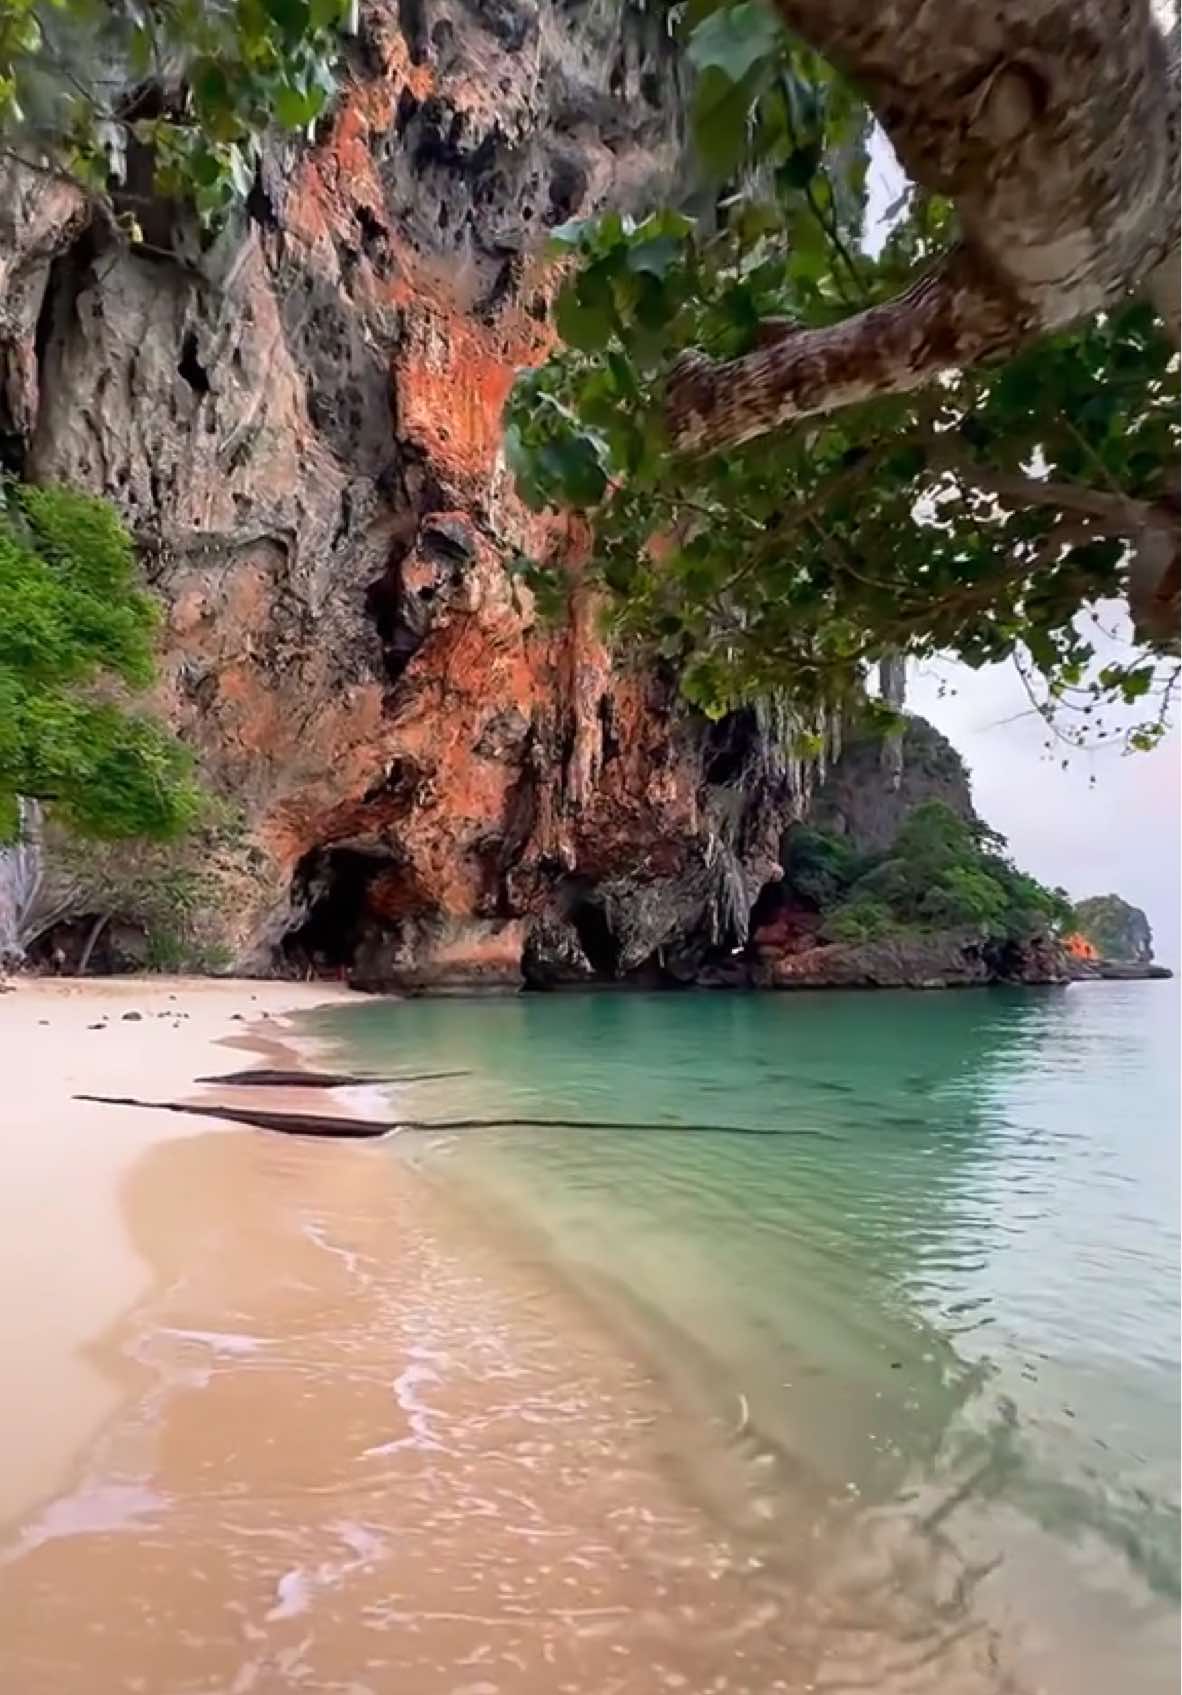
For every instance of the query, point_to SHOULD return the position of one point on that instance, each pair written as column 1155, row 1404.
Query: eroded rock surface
column 301, row 423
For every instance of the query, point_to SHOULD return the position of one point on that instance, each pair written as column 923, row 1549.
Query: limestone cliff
column 301, row 421
column 867, row 797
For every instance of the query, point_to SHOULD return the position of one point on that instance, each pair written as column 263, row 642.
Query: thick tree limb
column 947, row 319
column 1051, row 124
column 1110, row 513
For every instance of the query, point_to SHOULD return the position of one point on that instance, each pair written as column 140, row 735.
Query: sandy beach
column 287, row 1416
column 68, row 1267
column 285, row 1420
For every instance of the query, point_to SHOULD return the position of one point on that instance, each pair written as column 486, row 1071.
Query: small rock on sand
column 132, row 1017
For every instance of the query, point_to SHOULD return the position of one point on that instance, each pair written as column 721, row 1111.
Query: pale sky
column 1119, row 836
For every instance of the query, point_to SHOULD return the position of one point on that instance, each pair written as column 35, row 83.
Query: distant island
column 1112, row 939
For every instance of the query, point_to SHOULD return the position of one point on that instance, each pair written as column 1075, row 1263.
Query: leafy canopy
column 940, row 873
column 978, row 517
column 192, row 84
column 76, row 635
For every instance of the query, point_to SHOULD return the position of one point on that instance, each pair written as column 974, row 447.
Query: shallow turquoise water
column 944, row 1294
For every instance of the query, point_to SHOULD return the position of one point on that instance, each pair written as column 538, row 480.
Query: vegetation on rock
column 76, row 637
column 1115, row 929
column 167, row 895
column 977, row 509
column 941, row 873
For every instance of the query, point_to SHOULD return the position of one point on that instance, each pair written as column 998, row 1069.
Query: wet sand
column 67, row 1264
column 289, row 1421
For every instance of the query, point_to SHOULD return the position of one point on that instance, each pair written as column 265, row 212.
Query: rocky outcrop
column 301, row 422
column 1116, row 930
column 945, row 959
column 867, row 796
column 1118, row 971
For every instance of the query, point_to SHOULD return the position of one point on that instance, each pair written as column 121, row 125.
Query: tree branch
column 1051, row 126
column 954, row 315
column 1111, row 514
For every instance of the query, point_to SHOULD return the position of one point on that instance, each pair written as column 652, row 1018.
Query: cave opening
column 330, row 890
column 189, row 365
column 595, row 937
column 730, row 745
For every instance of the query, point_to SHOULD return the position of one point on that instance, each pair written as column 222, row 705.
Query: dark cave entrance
column 330, row 890
column 595, row 937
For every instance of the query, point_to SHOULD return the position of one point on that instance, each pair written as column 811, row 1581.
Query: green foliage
column 83, row 83
column 73, row 628
column 1115, row 929
column 798, row 559
column 820, row 866
column 940, row 873
column 174, row 891
column 864, row 919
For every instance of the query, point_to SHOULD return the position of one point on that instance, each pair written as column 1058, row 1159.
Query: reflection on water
column 887, row 1402
column 951, row 1306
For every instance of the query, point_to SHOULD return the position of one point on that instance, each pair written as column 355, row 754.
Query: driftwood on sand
column 354, row 1129
column 263, row 1077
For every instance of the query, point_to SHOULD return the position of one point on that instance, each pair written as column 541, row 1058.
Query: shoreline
column 330, row 1405
column 343, row 1395
column 62, row 1231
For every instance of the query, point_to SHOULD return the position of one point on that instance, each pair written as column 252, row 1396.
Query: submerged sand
column 284, row 1420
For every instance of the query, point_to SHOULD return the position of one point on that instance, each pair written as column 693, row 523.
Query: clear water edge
column 935, row 1317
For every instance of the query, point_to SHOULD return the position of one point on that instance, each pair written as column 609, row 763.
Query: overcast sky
column 1118, row 836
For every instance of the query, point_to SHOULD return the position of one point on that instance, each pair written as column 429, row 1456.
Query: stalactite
column 892, row 682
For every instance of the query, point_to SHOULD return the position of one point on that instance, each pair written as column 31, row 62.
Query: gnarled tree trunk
column 1053, row 127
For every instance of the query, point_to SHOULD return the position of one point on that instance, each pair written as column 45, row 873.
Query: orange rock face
column 302, row 424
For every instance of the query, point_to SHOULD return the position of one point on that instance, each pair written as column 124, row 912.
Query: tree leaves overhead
column 980, row 517
column 193, row 83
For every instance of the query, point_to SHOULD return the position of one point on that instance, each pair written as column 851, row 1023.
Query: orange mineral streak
column 500, row 749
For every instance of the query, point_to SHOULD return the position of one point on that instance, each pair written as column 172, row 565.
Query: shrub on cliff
column 76, row 640
column 89, row 89
column 940, row 873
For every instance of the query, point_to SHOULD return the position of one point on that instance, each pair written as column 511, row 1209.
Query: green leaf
column 587, row 326
column 570, row 234
column 295, row 108
column 206, row 167
column 211, row 85
column 721, row 122
column 801, row 167
column 575, row 465
column 655, row 255
column 735, row 39
column 292, row 16
column 139, row 51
